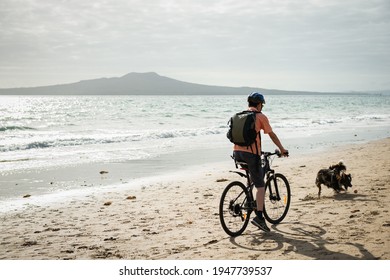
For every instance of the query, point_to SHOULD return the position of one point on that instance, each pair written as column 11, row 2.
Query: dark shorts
column 255, row 170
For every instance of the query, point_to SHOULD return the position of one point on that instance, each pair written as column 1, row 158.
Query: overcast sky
column 319, row 45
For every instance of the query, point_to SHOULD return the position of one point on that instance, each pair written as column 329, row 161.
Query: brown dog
column 334, row 177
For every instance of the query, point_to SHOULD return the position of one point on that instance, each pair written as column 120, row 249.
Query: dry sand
column 178, row 218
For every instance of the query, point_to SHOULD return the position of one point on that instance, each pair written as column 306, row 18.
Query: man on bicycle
column 251, row 155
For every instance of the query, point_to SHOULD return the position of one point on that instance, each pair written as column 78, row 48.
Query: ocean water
column 39, row 133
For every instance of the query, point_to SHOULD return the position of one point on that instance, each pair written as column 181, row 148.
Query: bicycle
column 237, row 200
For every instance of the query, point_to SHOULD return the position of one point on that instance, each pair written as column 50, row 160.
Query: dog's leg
column 319, row 189
column 339, row 184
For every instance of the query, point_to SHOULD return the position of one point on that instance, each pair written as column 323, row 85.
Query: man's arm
column 277, row 142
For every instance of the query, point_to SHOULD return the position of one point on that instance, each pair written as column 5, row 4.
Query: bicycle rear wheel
column 233, row 210
column 277, row 198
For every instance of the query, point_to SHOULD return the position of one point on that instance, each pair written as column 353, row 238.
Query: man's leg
column 260, row 198
column 259, row 220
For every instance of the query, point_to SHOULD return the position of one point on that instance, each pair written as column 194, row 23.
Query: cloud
column 216, row 42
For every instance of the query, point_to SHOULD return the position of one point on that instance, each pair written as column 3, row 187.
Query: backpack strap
column 257, row 149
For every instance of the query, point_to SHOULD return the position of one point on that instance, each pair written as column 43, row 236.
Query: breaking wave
column 14, row 127
column 111, row 138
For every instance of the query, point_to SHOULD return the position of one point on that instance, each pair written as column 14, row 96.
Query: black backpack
column 242, row 130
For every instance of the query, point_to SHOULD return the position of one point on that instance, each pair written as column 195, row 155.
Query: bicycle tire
column 276, row 210
column 233, row 214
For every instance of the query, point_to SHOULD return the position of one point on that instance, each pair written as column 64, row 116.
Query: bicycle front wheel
column 277, row 198
column 233, row 208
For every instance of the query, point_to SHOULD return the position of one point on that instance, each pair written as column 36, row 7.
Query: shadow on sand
column 302, row 240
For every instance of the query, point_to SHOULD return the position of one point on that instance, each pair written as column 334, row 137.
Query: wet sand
column 177, row 217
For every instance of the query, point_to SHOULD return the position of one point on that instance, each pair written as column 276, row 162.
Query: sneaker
column 260, row 223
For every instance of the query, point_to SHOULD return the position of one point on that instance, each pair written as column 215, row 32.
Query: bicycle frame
column 249, row 187
column 267, row 171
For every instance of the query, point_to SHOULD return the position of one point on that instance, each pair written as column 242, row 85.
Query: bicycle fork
column 273, row 194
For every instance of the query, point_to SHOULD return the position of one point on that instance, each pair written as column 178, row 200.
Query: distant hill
column 137, row 84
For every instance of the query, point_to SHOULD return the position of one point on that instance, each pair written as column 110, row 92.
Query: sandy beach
column 177, row 217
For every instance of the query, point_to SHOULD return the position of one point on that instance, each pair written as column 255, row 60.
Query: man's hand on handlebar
column 282, row 153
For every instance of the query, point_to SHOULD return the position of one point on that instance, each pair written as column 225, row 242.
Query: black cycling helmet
column 256, row 98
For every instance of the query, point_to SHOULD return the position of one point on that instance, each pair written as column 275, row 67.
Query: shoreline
column 177, row 217
column 82, row 179
column 71, row 179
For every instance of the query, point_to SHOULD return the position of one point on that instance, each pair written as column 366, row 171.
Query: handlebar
column 277, row 152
